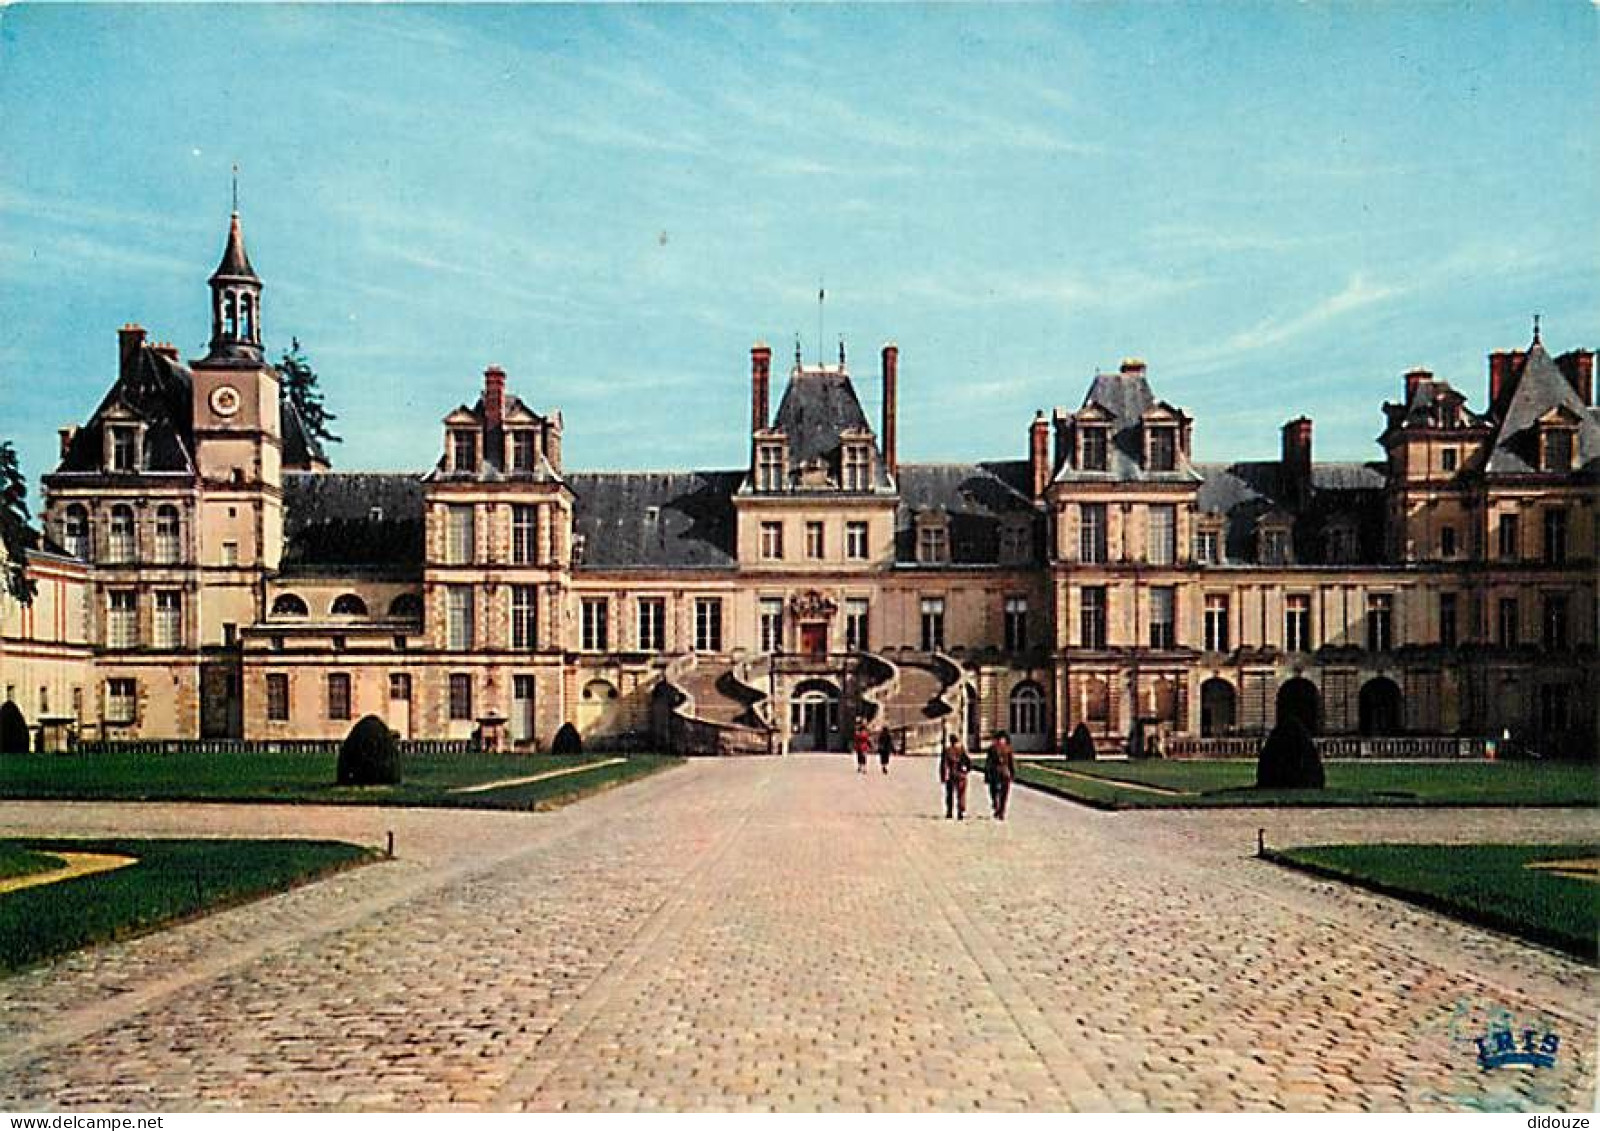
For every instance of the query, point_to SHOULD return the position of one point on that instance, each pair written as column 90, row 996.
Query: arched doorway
column 814, row 717
column 1219, row 707
column 1299, row 699
column 596, row 704
column 1026, row 717
column 1380, row 707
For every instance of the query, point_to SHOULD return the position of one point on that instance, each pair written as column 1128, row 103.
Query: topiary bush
column 370, row 754
column 567, row 740
column 13, row 729
column 1289, row 759
column 1080, row 744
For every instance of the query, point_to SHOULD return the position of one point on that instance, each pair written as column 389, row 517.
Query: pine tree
column 15, row 535
column 300, row 387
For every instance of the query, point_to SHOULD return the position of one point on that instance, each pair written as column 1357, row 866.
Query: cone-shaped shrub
column 1289, row 759
column 1080, row 744
column 370, row 754
column 567, row 740
column 13, row 729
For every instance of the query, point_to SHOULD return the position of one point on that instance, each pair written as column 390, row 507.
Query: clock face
column 225, row 400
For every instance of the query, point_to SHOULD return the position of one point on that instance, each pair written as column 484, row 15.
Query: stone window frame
column 932, row 537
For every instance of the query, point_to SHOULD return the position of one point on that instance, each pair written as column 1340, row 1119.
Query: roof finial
column 236, row 188
column 1536, row 329
column 821, row 294
column 797, row 361
column 841, row 351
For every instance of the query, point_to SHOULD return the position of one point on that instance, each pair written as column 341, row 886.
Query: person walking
column 1000, row 768
column 885, row 748
column 954, row 765
column 863, row 745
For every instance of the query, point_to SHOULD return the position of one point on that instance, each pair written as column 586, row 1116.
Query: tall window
column 932, row 624
column 1092, row 532
column 1380, row 622
column 1447, row 542
column 1447, row 619
column 1092, row 617
column 168, row 626
column 464, row 451
column 460, row 697
column 1274, row 546
column 1016, row 618
column 524, row 617
column 857, row 625
column 122, row 619
column 1555, row 536
column 769, row 468
column 75, row 533
column 1163, row 449
column 1558, row 449
column 1163, row 535
column 1216, row 622
column 1206, row 547
column 458, row 610
column 1555, row 708
column 124, row 449
column 1092, row 449
column 857, row 467
column 771, row 624
column 708, row 624
column 524, row 534
column 119, row 540
column 1163, row 614
column 814, row 541
column 460, row 540
column 855, row 541
column 933, row 544
column 1509, row 626
column 652, row 624
column 1555, row 622
column 1510, row 543
column 522, row 450
column 122, row 698
column 167, row 534
column 277, row 697
column 593, row 626
column 1297, row 622
column 338, row 695
column 1016, row 543
column 1447, row 459
column 772, row 541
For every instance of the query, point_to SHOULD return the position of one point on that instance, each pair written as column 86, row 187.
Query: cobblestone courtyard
column 790, row 935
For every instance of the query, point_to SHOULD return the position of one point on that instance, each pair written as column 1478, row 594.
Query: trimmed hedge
column 1289, row 759
column 1080, row 745
column 370, row 754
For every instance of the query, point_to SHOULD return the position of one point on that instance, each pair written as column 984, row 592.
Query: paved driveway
column 791, row 935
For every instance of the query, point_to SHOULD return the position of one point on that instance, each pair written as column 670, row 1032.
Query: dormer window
column 523, row 450
column 771, row 469
column 463, row 451
column 1273, row 545
column 1208, row 542
column 857, row 467
column 1556, row 449
column 933, row 539
column 1016, row 542
column 1161, row 453
column 1092, row 449
column 122, row 447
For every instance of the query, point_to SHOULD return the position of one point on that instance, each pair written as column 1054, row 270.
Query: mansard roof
column 155, row 390
column 977, row 498
column 1246, row 492
column 1124, row 400
column 654, row 519
column 493, row 458
column 1539, row 388
column 817, row 407
column 352, row 522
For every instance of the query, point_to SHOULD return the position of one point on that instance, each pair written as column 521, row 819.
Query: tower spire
column 236, row 188
column 1536, row 329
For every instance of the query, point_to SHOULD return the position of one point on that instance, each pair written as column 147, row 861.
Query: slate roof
column 1246, row 491
column 1539, row 388
column 977, row 497
column 299, row 446
column 1126, row 397
column 652, row 519
column 235, row 262
column 155, row 390
column 343, row 521
column 819, row 405
column 493, row 455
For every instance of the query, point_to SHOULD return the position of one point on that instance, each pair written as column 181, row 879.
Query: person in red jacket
column 862, row 743
column 954, row 765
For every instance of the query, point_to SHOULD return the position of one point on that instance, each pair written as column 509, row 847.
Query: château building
column 204, row 573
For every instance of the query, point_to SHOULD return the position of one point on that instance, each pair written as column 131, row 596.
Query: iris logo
column 1501, row 1048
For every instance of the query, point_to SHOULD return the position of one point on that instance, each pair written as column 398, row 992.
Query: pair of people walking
column 999, row 770
column 863, row 747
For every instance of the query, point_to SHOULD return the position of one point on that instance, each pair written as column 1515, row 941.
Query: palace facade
column 204, row 573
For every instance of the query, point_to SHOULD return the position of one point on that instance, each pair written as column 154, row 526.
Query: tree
column 300, row 387
column 369, row 755
column 1289, row 758
column 15, row 536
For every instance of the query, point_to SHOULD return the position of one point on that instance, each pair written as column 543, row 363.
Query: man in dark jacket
column 1000, row 769
column 885, row 748
column 954, row 765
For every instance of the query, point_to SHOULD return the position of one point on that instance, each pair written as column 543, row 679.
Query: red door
column 814, row 639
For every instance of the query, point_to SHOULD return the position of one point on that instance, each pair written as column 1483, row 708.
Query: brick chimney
column 166, row 350
column 1578, row 367
column 67, row 435
column 1296, row 462
column 760, row 385
column 1133, row 367
column 1414, row 379
column 891, row 388
column 494, row 398
column 1503, row 368
column 130, row 340
column 1039, row 454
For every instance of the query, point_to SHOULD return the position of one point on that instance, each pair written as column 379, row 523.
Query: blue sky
column 1280, row 207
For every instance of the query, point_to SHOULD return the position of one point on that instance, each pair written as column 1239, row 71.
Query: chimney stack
column 1039, row 454
column 67, row 435
column 494, row 398
column 1503, row 368
column 130, row 340
column 1133, row 367
column 1062, row 420
column 760, row 385
column 891, row 386
column 1296, row 460
column 1578, row 367
column 166, row 350
column 1414, row 379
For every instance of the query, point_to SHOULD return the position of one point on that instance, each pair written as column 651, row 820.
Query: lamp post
column 776, row 719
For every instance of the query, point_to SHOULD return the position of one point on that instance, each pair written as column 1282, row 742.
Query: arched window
column 407, row 606
column 230, row 314
column 348, row 605
column 168, row 526
column 119, row 538
column 248, row 304
column 288, row 605
column 1026, row 716
column 75, row 532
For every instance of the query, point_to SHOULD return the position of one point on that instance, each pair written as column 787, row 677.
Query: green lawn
column 1488, row 884
column 426, row 780
column 16, row 862
column 173, row 880
column 1173, row 784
